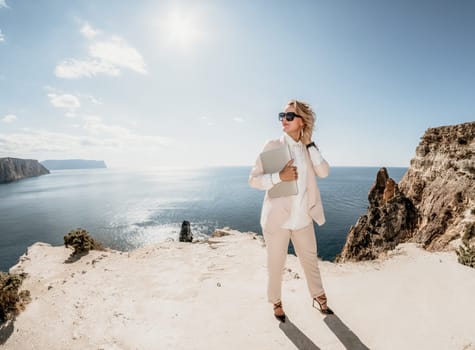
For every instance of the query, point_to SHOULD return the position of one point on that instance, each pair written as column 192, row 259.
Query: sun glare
column 181, row 29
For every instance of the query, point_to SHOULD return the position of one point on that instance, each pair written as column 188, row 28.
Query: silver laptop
column 273, row 161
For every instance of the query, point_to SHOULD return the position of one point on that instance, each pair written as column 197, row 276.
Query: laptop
column 273, row 161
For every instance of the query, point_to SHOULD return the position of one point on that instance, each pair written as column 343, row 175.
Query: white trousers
column 305, row 244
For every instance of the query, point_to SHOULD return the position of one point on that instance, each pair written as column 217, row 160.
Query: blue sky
column 200, row 83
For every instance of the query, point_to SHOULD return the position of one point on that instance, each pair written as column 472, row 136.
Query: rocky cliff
column 432, row 205
column 13, row 169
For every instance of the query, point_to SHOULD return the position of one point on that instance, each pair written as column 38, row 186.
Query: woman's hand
column 289, row 172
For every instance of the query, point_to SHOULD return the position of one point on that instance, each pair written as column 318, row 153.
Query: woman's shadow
column 349, row 339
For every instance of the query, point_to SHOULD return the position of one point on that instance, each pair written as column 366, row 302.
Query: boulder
column 185, row 233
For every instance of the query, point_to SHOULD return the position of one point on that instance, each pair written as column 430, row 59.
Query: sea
column 127, row 209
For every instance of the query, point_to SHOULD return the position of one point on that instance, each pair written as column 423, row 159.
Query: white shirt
column 299, row 217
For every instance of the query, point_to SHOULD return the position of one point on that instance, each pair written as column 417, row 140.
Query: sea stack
column 433, row 203
column 13, row 169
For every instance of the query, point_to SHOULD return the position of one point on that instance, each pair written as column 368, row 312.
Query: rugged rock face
column 390, row 220
column 13, row 169
column 432, row 205
column 441, row 184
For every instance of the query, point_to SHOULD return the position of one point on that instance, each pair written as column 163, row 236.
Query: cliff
column 212, row 295
column 432, row 205
column 13, row 169
column 441, row 184
column 73, row 164
column 390, row 220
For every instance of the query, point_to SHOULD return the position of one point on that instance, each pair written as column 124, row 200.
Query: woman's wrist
column 311, row 144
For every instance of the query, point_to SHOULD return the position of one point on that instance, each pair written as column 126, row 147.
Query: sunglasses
column 289, row 116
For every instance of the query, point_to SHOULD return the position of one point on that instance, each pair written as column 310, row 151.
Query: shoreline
column 160, row 212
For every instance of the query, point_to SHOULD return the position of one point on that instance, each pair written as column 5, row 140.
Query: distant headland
column 13, row 169
column 73, row 164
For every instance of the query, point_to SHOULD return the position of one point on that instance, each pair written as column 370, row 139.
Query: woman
column 290, row 217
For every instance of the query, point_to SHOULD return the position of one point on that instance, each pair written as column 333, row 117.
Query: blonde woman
column 291, row 217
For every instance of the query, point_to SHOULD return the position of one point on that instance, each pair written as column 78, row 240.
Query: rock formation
column 390, row 220
column 13, row 169
column 433, row 203
column 73, row 164
column 185, row 233
column 441, row 184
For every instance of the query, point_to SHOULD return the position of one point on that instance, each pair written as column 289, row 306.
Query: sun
column 181, row 29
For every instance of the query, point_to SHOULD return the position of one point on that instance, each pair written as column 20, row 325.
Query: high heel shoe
column 322, row 303
column 279, row 316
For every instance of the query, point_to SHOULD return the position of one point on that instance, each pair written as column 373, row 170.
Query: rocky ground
column 211, row 295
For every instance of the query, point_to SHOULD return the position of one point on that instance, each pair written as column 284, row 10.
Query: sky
column 200, row 83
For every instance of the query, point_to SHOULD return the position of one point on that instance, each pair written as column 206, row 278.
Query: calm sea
column 125, row 209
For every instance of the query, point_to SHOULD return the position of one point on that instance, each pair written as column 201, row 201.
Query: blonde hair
column 304, row 110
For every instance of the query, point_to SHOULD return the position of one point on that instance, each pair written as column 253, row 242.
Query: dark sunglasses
column 289, row 116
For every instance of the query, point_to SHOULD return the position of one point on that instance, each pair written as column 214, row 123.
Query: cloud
column 238, row 120
column 9, row 118
column 96, row 126
column 3, row 3
column 99, row 142
column 88, row 31
column 91, row 99
column 207, row 120
column 71, row 102
column 73, row 69
column 118, row 53
column 2, row 37
column 106, row 55
column 64, row 101
column 121, row 136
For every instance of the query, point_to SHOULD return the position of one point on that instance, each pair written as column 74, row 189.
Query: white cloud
column 107, row 55
column 2, row 37
column 9, row 118
column 91, row 99
column 122, row 136
column 238, row 120
column 207, row 120
column 73, row 69
column 79, row 96
column 88, row 31
column 64, row 101
column 3, row 3
column 96, row 126
column 101, row 142
column 30, row 142
column 118, row 53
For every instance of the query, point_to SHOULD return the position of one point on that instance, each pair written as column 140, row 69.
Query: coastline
column 211, row 294
column 155, row 204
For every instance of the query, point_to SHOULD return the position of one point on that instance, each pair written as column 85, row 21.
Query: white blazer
column 276, row 211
